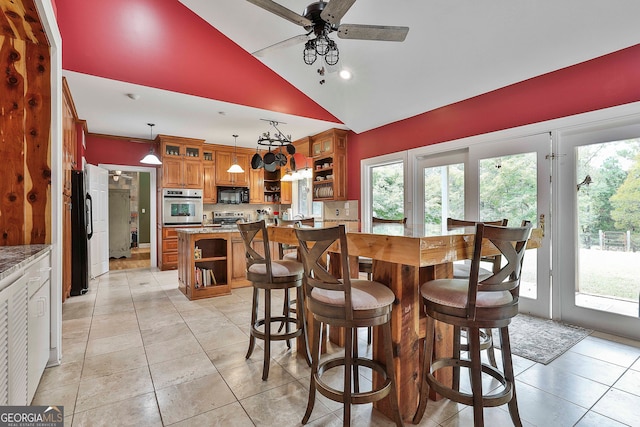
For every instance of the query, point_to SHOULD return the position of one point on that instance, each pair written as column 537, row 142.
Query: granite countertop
column 13, row 258
column 207, row 230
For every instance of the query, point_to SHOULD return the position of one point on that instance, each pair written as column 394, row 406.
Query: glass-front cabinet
column 329, row 150
column 181, row 162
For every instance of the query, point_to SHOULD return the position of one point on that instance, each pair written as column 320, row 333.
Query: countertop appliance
column 233, row 195
column 81, row 232
column 227, row 219
column 181, row 206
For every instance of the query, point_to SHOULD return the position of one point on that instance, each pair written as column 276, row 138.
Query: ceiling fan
column 320, row 19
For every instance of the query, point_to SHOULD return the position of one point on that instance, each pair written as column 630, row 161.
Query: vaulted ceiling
column 190, row 61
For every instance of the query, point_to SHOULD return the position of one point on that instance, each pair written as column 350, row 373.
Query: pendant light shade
column 235, row 167
column 151, row 158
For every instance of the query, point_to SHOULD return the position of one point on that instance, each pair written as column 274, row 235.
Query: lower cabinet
column 24, row 331
column 203, row 267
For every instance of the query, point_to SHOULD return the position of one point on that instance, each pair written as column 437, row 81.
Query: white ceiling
column 454, row 50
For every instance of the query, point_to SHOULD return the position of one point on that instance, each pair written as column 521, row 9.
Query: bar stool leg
column 302, row 323
column 254, row 318
column 348, row 362
column 267, row 334
column 507, row 364
column 315, row 358
column 356, row 377
column 426, row 368
column 473, row 336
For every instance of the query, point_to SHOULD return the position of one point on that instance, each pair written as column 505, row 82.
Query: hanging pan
column 281, row 159
column 270, row 167
column 256, row 160
column 269, row 157
column 291, row 149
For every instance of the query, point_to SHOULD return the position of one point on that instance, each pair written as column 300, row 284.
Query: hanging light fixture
column 151, row 158
column 235, row 167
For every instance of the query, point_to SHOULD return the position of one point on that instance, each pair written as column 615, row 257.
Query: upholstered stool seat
column 267, row 275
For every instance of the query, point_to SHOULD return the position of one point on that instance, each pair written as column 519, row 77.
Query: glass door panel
column 608, row 211
column 508, row 189
column 511, row 179
column 388, row 196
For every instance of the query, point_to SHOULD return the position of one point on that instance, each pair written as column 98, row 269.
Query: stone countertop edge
column 13, row 258
column 207, row 230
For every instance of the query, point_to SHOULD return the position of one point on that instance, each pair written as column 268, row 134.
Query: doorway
column 137, row 224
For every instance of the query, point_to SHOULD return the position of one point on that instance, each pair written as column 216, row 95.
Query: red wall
column 162, row 44
column 115, row 151
column 610, row 80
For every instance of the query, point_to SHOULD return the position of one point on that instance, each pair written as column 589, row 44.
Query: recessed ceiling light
column 345, row 74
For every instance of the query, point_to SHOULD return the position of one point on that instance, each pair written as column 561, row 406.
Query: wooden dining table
column 403, row 262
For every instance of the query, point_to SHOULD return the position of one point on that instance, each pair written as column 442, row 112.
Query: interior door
column 599, row 239
column 512, row 179
column 98, row 188
column 119, row 223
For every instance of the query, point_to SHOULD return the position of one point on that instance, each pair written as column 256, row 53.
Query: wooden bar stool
column 267, row 274
column 473, row 304
column 462, row 271
column 365, row 265
column 350, row 304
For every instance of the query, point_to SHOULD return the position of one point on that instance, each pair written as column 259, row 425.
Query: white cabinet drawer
column 38, row 273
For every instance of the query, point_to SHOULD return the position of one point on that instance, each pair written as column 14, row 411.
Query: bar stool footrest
column 496, row 399
column 337, row 395
column 276, row 336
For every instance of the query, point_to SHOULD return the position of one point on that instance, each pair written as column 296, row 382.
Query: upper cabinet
column 224, row 159
column 208, row 175
column 329, row 151
column 181, row 162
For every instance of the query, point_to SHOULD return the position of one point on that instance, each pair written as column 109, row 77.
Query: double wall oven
column 181, row 206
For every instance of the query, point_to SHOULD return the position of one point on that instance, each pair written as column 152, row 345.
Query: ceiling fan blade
column 335, row 10
column 302, row 38
column 282, row 12
column 372, row 32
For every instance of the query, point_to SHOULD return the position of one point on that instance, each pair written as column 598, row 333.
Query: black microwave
column 233, row 195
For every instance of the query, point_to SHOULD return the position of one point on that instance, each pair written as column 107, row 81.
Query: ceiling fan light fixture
column 333, row 55
column 309, row 54
column 322, row 45
column 151, row 158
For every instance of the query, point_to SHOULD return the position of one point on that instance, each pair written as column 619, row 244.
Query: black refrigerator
column 81, row 232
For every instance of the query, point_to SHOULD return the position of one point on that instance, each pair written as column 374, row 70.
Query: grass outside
column 609, row 273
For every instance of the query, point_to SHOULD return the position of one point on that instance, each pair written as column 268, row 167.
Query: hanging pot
column 281, row 159
column 291, row 149
column 292, row 163
column 270, row 167
column 269, row 157
column 256, row 161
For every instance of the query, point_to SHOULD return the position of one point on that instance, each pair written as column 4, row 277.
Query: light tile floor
column 136, row 352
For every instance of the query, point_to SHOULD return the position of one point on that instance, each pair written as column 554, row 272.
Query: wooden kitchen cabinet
column 204, row 267
column 330, row 165
column 181, row 162
column 303, row 146
column 209, row 194
column 286, row 192
column 224, row 160
column 256, row 186
column 328, row 142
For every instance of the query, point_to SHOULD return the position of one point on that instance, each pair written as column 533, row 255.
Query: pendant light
column 235, row 167
column 151, row 158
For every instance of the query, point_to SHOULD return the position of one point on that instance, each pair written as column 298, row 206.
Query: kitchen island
column 211, row 261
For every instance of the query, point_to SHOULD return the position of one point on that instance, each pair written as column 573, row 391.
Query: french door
column 512, row 179
column 599, row 239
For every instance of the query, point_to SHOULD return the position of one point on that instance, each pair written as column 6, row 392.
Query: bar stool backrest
column 253, row 231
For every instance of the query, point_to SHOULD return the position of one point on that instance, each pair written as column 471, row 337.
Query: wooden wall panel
column 12, row 208
column 25, row 126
